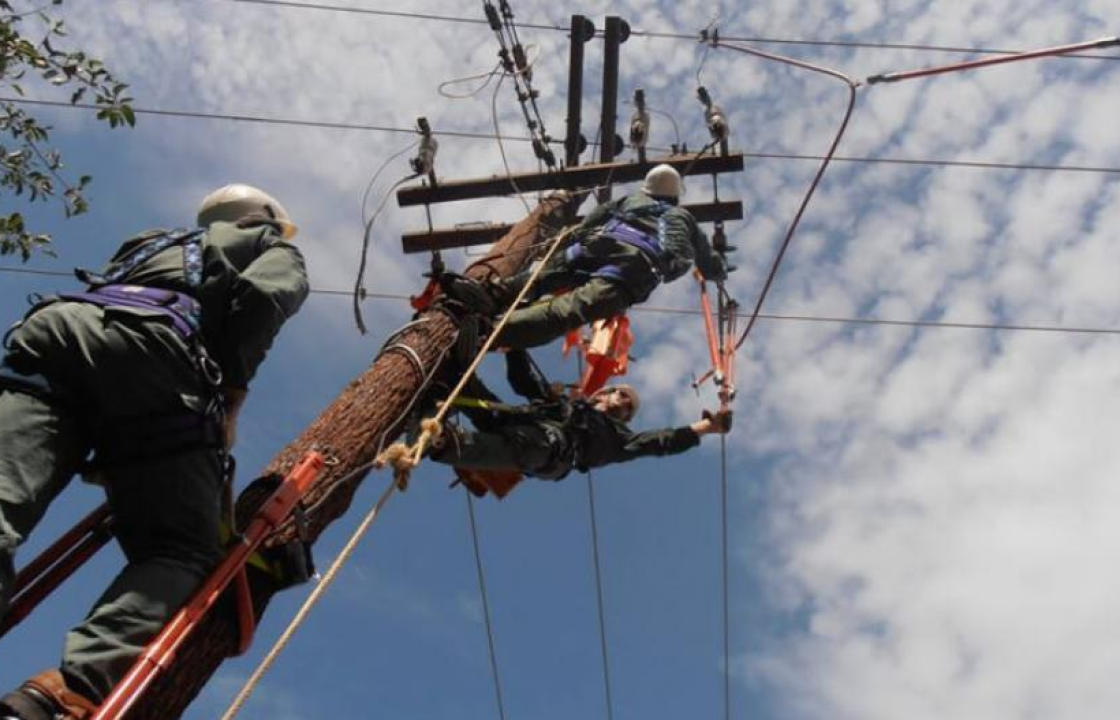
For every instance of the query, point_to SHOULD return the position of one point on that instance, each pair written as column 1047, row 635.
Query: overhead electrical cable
column 367, row 228
column 852, row 87
column 485, row 609
column 772, row 317
column 935, row 162
column 593, row 523
column 691, row 37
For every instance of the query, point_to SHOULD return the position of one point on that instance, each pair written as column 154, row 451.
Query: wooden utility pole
column 368, row 414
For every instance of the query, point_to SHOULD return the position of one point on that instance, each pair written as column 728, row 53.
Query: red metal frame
column 53, row 566
column 160, row 653
column 721, row 343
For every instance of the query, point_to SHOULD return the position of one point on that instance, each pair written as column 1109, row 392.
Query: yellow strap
column 256, row 559
column 469, row 402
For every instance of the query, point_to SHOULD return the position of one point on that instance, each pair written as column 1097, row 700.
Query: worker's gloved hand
column 717, row 273
column 725, row 269
column 717, row 422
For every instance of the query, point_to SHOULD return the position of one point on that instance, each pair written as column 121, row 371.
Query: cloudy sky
column 921, row 519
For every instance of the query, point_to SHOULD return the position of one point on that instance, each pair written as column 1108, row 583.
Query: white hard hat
column 234, row 202
column 662, row 181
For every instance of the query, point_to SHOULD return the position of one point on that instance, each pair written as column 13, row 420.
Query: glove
column 718, row 272
column 720, row 421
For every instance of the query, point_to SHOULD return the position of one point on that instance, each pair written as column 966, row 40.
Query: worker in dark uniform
column 617, row 256
column 552, row 434
column 147, row 369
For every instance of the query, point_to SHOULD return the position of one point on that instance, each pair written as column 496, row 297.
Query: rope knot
column 399, row 457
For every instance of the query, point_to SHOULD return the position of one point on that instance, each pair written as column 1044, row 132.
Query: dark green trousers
column 532, row 448
column 554, row 316
column 116, row 366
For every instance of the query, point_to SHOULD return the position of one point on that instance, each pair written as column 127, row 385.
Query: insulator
column 717, row 123
column 719, row 238
column 522, row 62
column 639, row 128
column 543, row 152
column 493, row 18
column 425, row 159
column 713, row 115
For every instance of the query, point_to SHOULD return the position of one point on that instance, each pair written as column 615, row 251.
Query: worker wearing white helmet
column 147, row 367
column 233, row 203
column 619, row 254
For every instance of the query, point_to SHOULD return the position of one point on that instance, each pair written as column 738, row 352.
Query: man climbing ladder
column 148, row 368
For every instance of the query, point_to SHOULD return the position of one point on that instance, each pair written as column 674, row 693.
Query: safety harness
column 625, row 227
column 134, row 439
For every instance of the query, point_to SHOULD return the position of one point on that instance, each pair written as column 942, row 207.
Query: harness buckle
column 211, row 371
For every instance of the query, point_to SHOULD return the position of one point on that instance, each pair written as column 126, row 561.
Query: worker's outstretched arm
column 670, row 441
column 708, row 261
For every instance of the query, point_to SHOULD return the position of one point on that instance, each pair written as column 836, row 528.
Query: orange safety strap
column 607, row 353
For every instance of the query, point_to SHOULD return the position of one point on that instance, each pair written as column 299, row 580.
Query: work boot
column 26, row 704
column 45, row 697
column 475, row 295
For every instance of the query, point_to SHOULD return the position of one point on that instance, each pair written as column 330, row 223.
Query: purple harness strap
column 631, row 235
column 181, row 309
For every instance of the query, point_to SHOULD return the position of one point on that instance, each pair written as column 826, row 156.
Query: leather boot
column 45, row 697
column 474, row 295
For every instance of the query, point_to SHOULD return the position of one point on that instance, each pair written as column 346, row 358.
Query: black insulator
column 492, row 17
column 705, row 98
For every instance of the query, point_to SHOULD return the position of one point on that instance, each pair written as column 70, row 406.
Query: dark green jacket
column 599, row 439
column 253, row 281
column 682, row 242
column 593, row 438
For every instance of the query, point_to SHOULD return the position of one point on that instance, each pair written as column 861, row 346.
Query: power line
column 726, row 593
column 773, row 317
column 599, row 598
column 760, row 39
column 230, row 117
column 260, row 118
column 485, row 607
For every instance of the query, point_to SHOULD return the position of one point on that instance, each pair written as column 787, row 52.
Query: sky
column 921, row 519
